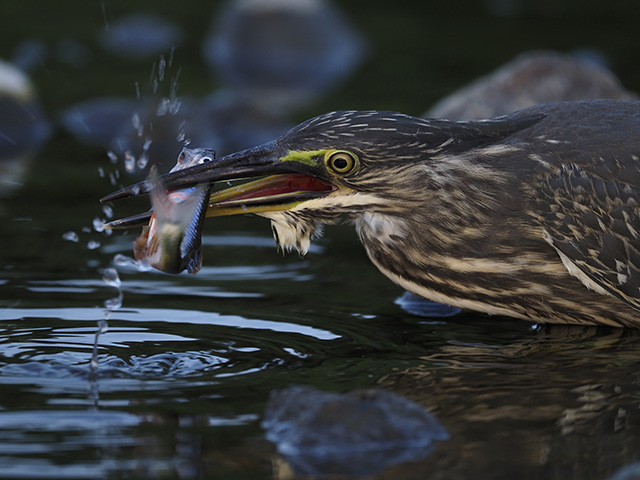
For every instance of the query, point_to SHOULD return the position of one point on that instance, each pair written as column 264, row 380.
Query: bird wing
column 593, row 222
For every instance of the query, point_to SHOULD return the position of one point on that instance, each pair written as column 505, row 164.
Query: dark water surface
column 188, row 362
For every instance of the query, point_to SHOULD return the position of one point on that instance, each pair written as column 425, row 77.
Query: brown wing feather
column 595, row 224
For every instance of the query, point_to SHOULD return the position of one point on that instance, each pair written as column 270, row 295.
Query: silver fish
column 172, row 241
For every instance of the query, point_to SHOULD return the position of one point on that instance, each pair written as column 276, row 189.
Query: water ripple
column 171, row 315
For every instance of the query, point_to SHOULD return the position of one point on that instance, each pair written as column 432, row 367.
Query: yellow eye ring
column 342, row 162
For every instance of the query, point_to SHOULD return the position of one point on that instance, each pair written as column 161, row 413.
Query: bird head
column 340, row 164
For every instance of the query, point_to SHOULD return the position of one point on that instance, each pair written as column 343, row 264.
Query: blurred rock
column 629, row 472
column 282, row 53
column 140, row 36
column 358, row 433
column 99, row 120
column 23, row 128
column 530, row 79
column 72, row 53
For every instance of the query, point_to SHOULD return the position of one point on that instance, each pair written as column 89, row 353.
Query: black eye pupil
column 340, row 163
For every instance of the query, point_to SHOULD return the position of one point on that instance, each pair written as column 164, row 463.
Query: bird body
column 534, row 215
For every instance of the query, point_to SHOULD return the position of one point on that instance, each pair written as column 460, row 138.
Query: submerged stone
column 421, row 307
column 358, row 433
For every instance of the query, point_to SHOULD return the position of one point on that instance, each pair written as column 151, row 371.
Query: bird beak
column 287, row 183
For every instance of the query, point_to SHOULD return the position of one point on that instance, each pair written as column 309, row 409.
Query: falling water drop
column 70, row 236
column 113, row 158
column 163, row 107
column 110, row 277
column 137, row 124
column 108, row 211
column 143, row 159
column 129, row 162
column 162, row 64
column 93, row 244
column 103, row 326
column 174, row 106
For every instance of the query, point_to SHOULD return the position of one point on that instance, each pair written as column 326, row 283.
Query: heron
column 534, row 215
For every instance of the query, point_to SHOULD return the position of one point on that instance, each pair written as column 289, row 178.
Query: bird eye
column 342, row 162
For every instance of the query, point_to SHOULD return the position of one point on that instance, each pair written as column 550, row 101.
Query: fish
column 172, row 240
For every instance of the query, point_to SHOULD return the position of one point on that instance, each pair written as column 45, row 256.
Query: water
column 176, row 386
column 184, row 371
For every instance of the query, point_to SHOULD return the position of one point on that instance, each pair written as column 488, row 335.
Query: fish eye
column 342, row 162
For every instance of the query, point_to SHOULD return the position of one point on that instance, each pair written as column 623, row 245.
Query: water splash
column 124, row 261
column 162, row 65
column 111, row 278
column 98, row 224
column 129, row 161
column 70, row 236
column 108, row 211
column 163, row 107
column 137, row 124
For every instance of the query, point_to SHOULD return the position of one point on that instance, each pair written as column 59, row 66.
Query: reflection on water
column 186, row 388
column 188, row 364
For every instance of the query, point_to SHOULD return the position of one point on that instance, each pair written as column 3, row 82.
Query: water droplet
column 93, row 244
column 101, row 172
column 163, row 107
column 137, row 86
column 108, row 211
column 98, row 224
column 162, row 65
column 113, row 158
column 122, row 260
column 137, row 124
column 103, row 327
column 129, row 162
column 113, row 303
column 143, row 159
column 86, row 230
column 147, row 145
column 174, row 106
column 70, row 236
column 110, row 277
column 112, row 179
